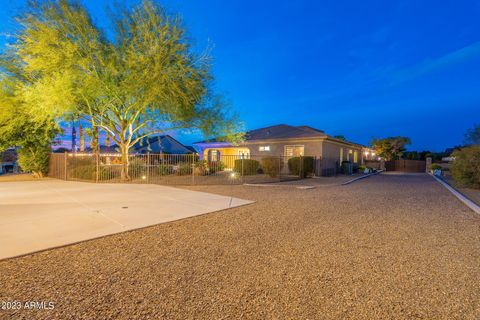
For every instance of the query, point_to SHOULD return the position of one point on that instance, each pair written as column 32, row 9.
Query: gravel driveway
column 387, row 247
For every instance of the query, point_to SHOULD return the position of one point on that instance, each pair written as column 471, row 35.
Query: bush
column 435, row 166
column 272, row 166
column 88, row 172
column 466, row 167
column 184, row 169
column 161, row 170
column 250, row 166
column 301, row 165
column 137, row 168
column 215, row 166
column 201, row 168
column 34, row 160
column 83, row 172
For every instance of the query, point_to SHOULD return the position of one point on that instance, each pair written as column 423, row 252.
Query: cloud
column 462, row 55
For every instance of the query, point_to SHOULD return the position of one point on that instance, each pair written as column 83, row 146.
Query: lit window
column 341, row 155
column 264, row 148
column 355, row 157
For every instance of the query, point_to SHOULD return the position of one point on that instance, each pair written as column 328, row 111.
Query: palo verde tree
column 390, row 148
column 143, row 80
column 18, row 128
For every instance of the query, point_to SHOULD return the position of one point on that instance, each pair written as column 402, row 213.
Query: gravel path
column 387, row 247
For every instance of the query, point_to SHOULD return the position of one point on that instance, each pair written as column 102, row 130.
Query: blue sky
column 362, row 69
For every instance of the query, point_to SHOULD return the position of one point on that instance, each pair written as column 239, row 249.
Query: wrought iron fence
column 180, row 169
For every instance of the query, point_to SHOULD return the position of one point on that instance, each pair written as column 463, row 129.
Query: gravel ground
column 387, row 247
column 472, row 194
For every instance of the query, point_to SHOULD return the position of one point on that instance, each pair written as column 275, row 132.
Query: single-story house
column 8, row 161
column 161, row 144
column 287, row 141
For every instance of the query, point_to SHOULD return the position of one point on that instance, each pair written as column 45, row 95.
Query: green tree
column 340, row 137
column 144, row 80
column 472, row 137
column 390, row 148
column 34, row 136
column 466, row 166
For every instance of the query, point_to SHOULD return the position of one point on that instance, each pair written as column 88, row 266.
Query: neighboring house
column 288, row 141
column 8, row 161
column 161, row 144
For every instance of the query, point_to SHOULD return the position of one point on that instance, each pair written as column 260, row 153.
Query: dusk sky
column 361, row 69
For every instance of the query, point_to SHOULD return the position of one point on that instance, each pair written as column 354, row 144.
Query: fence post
column 97, row 166
column 193, row 169
column 301, row 167
column 241, row 172
column 148, row 167
column 65, row 162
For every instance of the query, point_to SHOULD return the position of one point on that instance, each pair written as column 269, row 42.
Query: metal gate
column 406, row 165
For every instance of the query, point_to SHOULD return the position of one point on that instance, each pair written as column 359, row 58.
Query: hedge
column 296, row 168
column 249, row 166
column 465, row 168
column 272, row 166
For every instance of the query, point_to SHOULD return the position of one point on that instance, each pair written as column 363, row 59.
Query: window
column 355, row 157
column 264, row 148
column 243, row 154
column 213, row 155
column 341, row 155
column 294, row 151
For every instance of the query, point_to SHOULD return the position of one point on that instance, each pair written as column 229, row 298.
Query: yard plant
column 303, row 166
column 465, row 168
column 139, row 78
column 272, row 166
column 246, row 167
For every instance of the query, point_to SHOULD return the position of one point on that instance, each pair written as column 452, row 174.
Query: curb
column 278, row 185
column 469, row 203
column 362, row 177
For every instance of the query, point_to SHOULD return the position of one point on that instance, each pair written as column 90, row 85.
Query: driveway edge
column 469, row 203
column 362, row 177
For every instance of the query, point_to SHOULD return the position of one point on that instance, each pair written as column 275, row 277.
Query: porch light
column 144, row 177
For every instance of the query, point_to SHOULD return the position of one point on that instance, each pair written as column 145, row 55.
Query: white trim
column 469, row 203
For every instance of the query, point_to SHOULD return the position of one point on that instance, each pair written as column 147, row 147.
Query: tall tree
column 472, row 137
column 34, row 136
column 146, row 80
column 390, row 148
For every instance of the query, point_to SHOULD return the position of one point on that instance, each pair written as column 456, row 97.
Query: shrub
column 184, row 169
column 34, row 160
column 215, row 166
column 83, row 172
column 466, row 167
column 201, row 168
column 272, row 166
column 435, row 166
column 88, row 172
column 161, row 170
column 250, row 166
column 137, row 168
column 301, row 165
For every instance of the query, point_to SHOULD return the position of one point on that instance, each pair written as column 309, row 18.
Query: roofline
column 286, row 140
column 344, row 142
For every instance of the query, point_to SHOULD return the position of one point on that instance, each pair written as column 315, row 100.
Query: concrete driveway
column 37, row 215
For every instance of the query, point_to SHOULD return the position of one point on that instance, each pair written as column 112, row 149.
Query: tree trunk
column 125, row 175
column 81, row 137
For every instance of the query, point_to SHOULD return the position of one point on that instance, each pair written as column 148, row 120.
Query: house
column 160, row 144
column 8, row 161
column 287, row 141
